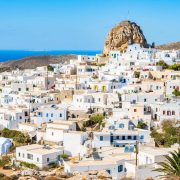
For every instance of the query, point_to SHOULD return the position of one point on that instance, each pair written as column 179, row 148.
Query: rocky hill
column 169, row 46
column 122, row 34
column 35, row 61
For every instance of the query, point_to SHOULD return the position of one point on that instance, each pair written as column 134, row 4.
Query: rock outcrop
column 124, row 33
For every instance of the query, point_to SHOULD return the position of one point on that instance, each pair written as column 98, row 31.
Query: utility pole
column 137, row 153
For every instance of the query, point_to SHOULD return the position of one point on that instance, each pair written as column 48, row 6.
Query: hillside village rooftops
column 28, row 124
column 63, row 122
column 108, row 160
column 40, row 149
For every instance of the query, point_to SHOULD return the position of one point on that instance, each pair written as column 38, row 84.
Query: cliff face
column 122, row 34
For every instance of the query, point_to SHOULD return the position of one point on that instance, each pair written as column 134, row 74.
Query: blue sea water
column 8, row 55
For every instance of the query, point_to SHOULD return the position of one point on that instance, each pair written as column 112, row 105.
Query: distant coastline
column 8, row 55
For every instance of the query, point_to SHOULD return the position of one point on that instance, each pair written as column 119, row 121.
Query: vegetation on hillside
column 171, row 166
column 163, row 64
column 96, row 120
column 17, row 136
column 175, row 67
column 4, row 160
column 169, row 135
column 28, row 165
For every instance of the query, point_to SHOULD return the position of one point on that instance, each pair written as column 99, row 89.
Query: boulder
column 122, row 35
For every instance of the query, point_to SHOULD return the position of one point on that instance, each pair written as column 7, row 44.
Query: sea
column 9, row 55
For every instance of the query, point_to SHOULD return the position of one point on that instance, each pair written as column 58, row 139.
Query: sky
column 82, row 24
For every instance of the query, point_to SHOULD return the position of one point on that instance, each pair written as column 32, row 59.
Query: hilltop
column 126, row 32
column 169, row 46
column 35, row 61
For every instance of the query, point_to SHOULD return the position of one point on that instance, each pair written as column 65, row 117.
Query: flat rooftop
column 40, row 149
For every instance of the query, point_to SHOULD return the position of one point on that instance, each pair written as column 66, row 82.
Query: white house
column 40, row 155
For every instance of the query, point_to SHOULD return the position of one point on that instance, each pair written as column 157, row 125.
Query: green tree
column 170, row 134
column 97, row 119
column 17, row 136
column 141, row 125
column 176, row 92
column 171, row 166
column 175, row 67
column 50, row 68
column 163, row 64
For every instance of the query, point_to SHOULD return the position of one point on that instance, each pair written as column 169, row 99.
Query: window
column 164, row 112
column 120, row 168
column 109, row 171
column 129, row 137
column 47, row 159
column 52, row 133
column 169, row 113
column 23, row 155
column 30, row 156
column 141, row 137
column 27, row 89
column 19, row 154
column 121, row 125
column 145, row 100
column 37, row 159
column 46, row 114
column 135, row 110
column 19, row 89
column 123, row 137
column 135, row 137
column 60, row 115
column 173, row 112
column 117, row 137
column 101, row 138
column 51, row 114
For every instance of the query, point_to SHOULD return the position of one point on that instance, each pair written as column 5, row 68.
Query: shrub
column 97, row 118
column 17, row 136
column 50, row 68
column 4, row 160
column 141, row 125
column 175, row 67
column 28, row 165
column 176, row 92
column 169, row 135
column 163, row 64
column 64, row 156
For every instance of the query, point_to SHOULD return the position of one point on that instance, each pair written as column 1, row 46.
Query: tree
column 97, row 119
column 176, row 92
column 169, row 135
column 17, row 136
column 141, row 125
column 163, row 64
column 50, row 68
column 175, row 67
column 171, row 166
